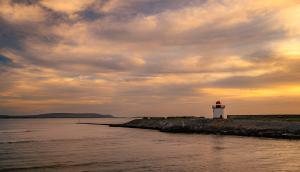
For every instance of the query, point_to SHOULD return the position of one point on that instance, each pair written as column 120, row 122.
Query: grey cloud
column 261, row 55
column 114, row 63
column 166, row 90
column 258, row 31
column 265, row 80
column 26, row 2
column 13, row 36
column 150, row 7
column 10, row 36
column 136, row 7
column 210, row 37
column 82, row 64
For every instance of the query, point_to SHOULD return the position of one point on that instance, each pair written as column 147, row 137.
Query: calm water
column 63, row 145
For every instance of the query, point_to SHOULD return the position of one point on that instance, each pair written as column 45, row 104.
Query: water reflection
column 63, row 145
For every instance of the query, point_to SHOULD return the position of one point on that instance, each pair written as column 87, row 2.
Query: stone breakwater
column 256, row 128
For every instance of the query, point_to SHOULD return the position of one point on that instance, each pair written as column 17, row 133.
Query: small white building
column 218, row 110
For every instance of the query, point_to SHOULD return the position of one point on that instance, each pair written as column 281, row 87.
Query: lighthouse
column 218, row 110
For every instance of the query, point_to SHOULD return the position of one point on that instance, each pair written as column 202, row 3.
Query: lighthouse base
column 218, row 113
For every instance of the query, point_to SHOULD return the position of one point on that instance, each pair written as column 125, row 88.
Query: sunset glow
column 132, row 57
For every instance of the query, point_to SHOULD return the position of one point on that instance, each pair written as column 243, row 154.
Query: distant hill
column 61, row 115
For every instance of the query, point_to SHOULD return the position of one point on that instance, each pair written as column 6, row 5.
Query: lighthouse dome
column 218, row 102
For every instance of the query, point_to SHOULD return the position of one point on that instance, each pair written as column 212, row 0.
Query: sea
column 64, row 145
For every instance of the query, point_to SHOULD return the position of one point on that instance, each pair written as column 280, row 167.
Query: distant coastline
column 58, row 115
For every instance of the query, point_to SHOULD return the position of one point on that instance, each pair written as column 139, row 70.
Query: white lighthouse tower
column 218, row 110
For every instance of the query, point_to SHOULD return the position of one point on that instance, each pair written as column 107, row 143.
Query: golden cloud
column 20, row 13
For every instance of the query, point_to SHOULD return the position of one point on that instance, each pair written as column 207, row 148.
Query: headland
column 275, row 127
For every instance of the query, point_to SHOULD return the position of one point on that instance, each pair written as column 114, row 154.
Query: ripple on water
column 62, row 146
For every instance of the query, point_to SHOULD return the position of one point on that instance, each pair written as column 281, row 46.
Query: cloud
column 149, row 56
column 21, row 12
column 7, row 64
column 65, row 6
column 5, row 61
column 9, row 36
column 287, row 74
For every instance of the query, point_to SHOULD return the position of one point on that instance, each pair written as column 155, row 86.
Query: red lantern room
column 218, row 104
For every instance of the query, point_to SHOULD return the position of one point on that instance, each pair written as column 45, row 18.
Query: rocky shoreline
column 254, row 128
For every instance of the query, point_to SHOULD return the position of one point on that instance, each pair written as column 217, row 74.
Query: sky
column 149, row 57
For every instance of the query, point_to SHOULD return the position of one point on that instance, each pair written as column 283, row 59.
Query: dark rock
column 257, row 128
